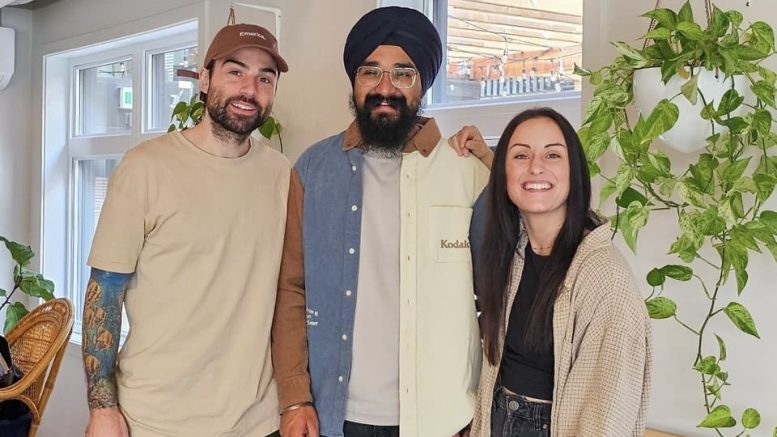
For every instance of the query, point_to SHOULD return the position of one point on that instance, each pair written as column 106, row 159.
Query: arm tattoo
column 101, row 331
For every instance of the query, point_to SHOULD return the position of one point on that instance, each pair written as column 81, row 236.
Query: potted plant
column 718, row 199
column 30, row 283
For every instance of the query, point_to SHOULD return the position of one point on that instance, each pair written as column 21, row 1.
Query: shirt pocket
column 449, row 231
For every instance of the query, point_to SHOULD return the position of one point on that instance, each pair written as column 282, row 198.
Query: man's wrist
column 296, row 406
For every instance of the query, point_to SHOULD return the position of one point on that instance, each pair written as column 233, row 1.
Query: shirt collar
column 423, row 137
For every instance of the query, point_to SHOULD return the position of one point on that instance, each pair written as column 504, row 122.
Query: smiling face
column 537, row 169
column 241, row 90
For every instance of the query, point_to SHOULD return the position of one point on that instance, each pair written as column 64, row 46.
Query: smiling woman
column 545, row 268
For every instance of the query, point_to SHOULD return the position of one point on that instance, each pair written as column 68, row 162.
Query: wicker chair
column 38, row 344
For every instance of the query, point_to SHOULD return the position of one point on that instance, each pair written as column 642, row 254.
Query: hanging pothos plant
column 718, row 200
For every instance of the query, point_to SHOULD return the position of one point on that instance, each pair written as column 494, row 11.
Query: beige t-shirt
column 373, row 386
column 204, row 236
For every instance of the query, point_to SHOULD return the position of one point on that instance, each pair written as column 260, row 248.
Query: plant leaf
column 664, row 17
column 661, row 308
column 690, row 89
column 690, row 30
column 707, row 365
column 630, row 195
column 13, row 314
column 751, row 418
column 721, row 347
column 20, row 253
column 658, row 34
column 720, row 417
column 741, row 318
column 764, row 91
column 678, row 273
column 656, row 278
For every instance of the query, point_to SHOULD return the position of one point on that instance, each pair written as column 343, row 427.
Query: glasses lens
column 403, row 77
column 368, row 76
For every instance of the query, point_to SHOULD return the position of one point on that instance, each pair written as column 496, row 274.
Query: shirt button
column 347, row 292
column 345, row 337
column 351, row 251
column 353, row 168
column 340, row 378
column 354, row 208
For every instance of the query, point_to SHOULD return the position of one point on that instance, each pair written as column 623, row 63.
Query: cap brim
column 283, row 67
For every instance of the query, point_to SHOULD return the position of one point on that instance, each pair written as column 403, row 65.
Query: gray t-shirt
column 373, row 389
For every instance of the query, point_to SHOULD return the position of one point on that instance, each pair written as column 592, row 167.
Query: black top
column 523, row 371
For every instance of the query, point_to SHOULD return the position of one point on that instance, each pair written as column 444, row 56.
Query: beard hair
column 383, row 135
column 228, row 127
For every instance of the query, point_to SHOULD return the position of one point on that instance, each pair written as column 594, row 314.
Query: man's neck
column 203, row 137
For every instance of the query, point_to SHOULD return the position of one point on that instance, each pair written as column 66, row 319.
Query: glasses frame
column 391, row 77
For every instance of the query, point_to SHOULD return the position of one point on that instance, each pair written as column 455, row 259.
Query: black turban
column 395, row 26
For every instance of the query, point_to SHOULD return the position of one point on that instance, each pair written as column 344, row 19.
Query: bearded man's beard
column 384, row 133
column 228, row 126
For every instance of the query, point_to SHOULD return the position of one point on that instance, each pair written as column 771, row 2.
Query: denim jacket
column 439, row 338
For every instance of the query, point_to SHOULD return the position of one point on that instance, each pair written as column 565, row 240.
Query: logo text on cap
column 256, row 34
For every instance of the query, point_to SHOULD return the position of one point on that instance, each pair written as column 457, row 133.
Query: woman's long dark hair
column 502, row 231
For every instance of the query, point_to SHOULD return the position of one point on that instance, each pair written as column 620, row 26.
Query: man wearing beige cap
column 189, row 241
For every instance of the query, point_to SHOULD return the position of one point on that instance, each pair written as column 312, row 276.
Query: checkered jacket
column 602, row 347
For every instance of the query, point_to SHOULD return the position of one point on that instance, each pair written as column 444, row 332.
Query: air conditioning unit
column 7, row 46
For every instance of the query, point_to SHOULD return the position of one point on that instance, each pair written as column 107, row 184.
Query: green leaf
column 762, row 122
column 764, row 91
column 721, row 347
column 707, row 365
column 660, row 161
column 719, row 23
column 13, row 314
column 661, row 308
column 735, row 17
column 720, row 417
column 628, row 51
column 690, row 30
column 267, row 128
column 35, row 285
column 751, row 418
column 729, row 102
column 733, row 171
column 686, row 13
column 635, row 218
column 769, row 218
column 3, row 292
column 630, row 195
column 580, row 71
column 623, row 178
column 737, row 256
column 741, row 318
column 655, row 278
column 678, row 273
column 601, row 124
column 663, row 117
column 764, row 33
column 20, row 253
column 658, row 34
column 608, row 188
column 690, row 89
column 664, row 17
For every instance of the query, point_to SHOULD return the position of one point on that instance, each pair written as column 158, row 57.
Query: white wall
column 15, row 144
column 312, row 103
column 677, row 405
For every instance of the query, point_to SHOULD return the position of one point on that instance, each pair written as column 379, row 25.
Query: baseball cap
column 237, row 36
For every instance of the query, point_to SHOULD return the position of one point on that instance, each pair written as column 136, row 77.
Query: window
column 115, row 95
column 507, row 49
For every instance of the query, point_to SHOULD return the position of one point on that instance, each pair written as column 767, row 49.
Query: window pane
column 91, row 187
column 499, row 49
column 105, row 99
column 170, row 84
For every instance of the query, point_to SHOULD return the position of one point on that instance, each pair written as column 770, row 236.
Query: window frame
column 64, row 172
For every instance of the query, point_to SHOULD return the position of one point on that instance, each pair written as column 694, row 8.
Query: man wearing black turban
column 386, row 290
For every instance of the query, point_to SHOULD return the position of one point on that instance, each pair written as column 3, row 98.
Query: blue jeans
column 353, row 429
column 515, row 416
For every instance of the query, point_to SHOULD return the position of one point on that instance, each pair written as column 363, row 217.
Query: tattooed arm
column 101, row 331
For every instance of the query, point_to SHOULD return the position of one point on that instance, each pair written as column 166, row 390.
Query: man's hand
column 106, row 422
column 469, row 140
column 299, row 422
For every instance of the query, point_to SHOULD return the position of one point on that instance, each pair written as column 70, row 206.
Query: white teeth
column 243, row 106
column 537, row 186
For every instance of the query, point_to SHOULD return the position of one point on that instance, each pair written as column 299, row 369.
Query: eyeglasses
column 401, row 77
